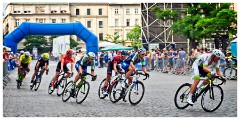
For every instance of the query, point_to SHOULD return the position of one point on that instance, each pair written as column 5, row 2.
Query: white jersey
column 205, row 60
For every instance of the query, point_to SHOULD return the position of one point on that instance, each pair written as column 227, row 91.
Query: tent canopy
column 106, row 44
column 116, row 47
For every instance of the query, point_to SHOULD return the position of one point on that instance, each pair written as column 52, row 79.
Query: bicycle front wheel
column 49, row 87
column 37, row 83
column 212, row 99
column 82, row 92
column 67, row 91
column 61, row 87
column 136, row 92
column 100, row 92
column 181, row 96
column 116, row 92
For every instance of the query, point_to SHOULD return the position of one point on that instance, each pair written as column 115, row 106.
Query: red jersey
column 66, row 59
column 116, row 59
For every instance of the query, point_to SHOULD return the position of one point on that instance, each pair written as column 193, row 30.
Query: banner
column 61, row 45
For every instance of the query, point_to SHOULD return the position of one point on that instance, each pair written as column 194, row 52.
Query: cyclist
column 42, row 63
column 201, row 68
column 81, row 67
column 62, row 66
column 113, row 65
column 24, row 62
column 133, row 59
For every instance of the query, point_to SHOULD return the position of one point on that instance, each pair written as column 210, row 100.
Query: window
column 41, row 21
column 100, row 24
column 88, row 24
column 27, row 20
column 128, row 11
column 136, row 21
column 53, row 20
column 17, row 22
column 88, row 12
column 100, row 36
column 116, row 22
column 100, row 11
column 63, row 20
column 128, row 22
column 116, row 10
column 77, row 11
column 136, row 10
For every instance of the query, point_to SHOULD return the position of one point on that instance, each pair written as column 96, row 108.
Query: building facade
column 101, row 18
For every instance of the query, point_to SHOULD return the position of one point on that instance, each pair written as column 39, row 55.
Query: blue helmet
column 123, row 53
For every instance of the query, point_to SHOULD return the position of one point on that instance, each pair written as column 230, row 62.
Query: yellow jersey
column 25, row 60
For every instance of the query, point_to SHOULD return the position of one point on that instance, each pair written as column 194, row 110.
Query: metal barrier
column 6, row 73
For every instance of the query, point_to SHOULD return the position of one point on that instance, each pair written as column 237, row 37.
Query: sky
column 4, row 6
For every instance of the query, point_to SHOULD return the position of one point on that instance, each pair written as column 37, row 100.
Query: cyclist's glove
column 224, row 79
column 28, row 69
column 147, row 75
column 94, row 77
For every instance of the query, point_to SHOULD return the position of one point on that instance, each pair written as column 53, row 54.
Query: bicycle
column 211, row 93
column 72, row 90
column 136, row 88
column 230, row 71
column 37, row 80
column 110, row 84
column 59, row 84
column 21, row 76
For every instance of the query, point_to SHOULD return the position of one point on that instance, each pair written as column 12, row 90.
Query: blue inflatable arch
column 76, row 28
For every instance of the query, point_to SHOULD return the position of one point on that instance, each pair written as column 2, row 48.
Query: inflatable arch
column 76, row 28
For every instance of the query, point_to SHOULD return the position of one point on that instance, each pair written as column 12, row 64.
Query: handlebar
column 220, row 78
column 140, row 73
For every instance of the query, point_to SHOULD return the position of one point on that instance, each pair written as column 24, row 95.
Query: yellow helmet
column 46, row 55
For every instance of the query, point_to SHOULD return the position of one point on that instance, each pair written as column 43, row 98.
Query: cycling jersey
column 116, row 60
column 134, row 58
column 25, row 60
column 42, row 62
column 203, row 60
column 83, row 62
column 66, row 59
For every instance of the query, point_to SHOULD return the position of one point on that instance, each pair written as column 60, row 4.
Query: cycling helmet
column 69, row 51
column 46, row 55
column 141, row 51
column 21, row 51
column 27, row 53
column 217, row 53
column 91, row 55
column 123, row 53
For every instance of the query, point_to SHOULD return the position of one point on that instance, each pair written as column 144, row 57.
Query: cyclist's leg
column 196, row 79
column 34, row 73
column 66, row 70
column 58, row 69
column 129, row 73
column 109, row 73
column 77, row 77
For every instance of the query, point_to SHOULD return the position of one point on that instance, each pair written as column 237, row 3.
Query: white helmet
column 91, row 54
column 141, row 51
column 27, row 53
column 21, row 51
column 217, row 53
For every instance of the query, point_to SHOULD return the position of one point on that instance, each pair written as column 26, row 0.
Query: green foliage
column 164, row 14
column 73, row 43
column 39, row 42
column 134, row 36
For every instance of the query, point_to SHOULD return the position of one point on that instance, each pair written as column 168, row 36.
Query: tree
column 73, row 43
column 39, row 42
column 134, row 36
column 201, row 20
column 114, row 38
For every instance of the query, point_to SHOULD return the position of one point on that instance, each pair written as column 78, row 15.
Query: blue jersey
column 134, row 58
column 84, row 62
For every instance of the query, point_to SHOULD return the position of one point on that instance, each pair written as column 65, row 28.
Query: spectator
column 5, row 54
column 101, row 59
column 152, row 59
column 182, row 55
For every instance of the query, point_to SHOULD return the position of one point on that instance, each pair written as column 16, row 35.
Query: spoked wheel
column 181, row 96
column 67, row 91
column 136, row 92
column 37, row 83
column 212, row 99
column 61, row 87
column 229, row 73
column 49, row 87
column 100, row 92
column 116, row 92
column 82, row 92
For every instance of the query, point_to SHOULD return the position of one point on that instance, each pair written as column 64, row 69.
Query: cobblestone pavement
column 157, row 101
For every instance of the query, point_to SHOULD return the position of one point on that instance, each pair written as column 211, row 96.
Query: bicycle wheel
column 67, row 91
column 37, row 83
column 229, row 73
column 82, row 92
column 61, row 87
column 100, row 92
column 49, row 87
column 116, row 92
column 136, row 93
column 212, row 99
column 18, row 84
column 181, row 96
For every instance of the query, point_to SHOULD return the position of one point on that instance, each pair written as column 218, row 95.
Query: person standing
column 101, row 59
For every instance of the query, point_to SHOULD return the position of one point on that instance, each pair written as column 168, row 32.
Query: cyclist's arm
column 115, row 67
column 218, row 70
column 132, row 65
column 92, row 67
column 37, row 64
column 72, row 64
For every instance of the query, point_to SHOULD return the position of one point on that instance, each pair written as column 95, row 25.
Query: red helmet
column 69, row 51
